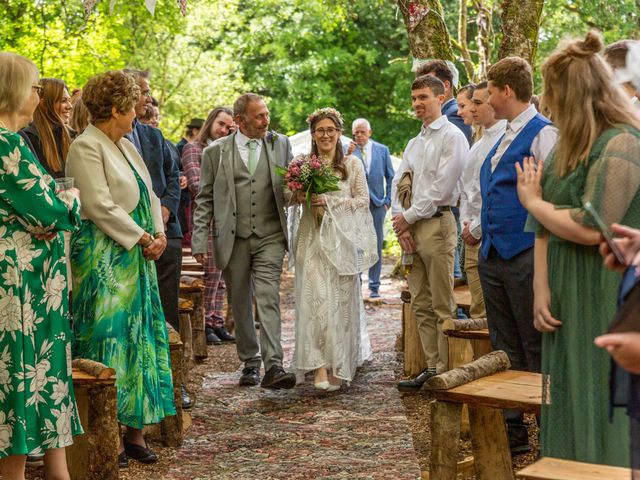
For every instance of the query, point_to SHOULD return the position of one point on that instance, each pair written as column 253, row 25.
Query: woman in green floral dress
column 117, row 313
column 596, row 159
column 37, row 405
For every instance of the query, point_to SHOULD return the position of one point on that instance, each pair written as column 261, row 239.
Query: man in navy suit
column 379, row 169
column 161, row 159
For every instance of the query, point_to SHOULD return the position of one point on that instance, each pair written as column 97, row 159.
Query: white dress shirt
column 470, row 197
column 242, row 142
column 437, row 158
column 542, row 144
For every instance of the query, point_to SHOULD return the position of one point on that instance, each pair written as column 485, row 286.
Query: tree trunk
column 430, row 38
column 520, row 25
column 484, row 19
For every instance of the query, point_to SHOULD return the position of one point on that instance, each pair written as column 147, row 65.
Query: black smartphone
column 606, row 232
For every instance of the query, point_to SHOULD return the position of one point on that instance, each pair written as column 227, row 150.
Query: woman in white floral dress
column 331, row 328
column 37, row 405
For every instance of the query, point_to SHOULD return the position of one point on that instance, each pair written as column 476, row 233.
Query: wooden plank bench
column 476, row 338
column 557, row 469
column 94, row 455
column 485, row 398
column 462, row 296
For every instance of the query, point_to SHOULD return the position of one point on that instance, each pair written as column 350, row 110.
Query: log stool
column 185, row 314
column 414, row 359
column 199, row 338
column 94, row 455
column 556, row 469
column 485, row 397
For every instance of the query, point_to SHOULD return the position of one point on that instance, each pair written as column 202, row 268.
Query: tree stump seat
column 94, row 455
column 557, row 469
column 463, row 335
column 195, row 294
column 485, row 398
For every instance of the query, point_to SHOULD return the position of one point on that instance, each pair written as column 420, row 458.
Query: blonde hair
column 583, row 99
column 17, row 76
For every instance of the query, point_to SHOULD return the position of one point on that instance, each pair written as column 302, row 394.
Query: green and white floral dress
column 37, row 404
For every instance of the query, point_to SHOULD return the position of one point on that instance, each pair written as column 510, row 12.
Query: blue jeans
column 457, row 271
column 378, row 214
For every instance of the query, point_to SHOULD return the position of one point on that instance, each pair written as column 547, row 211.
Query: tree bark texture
column 430, row 38
column 520, row 25
column 486, row 365
column 465, row 324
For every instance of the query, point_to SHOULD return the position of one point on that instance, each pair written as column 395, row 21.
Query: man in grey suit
column 241, row 199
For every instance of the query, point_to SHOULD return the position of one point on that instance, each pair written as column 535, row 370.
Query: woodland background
column 355, row 55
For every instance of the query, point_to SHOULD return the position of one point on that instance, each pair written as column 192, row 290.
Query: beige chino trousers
column 431, row 284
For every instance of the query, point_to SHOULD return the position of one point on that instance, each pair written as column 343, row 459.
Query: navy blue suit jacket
column 450, row 110
column 161, row 159
column 380, row 174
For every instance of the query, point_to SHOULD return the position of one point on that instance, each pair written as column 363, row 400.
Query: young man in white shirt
column 427, row 228
column 505, row 263
column 470, row 198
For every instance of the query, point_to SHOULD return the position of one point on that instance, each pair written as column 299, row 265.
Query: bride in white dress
column 331, row 330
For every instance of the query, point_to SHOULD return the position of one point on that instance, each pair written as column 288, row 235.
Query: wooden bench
column 556, row 469
column 466, row 344
column 485, row 398
column 185, row 314
column 94, row 455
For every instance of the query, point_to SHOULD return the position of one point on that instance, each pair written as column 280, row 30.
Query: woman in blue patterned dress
column 37, row 405
column 118, row 318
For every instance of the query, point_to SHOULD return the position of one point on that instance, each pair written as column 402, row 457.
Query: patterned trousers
column 214, row 290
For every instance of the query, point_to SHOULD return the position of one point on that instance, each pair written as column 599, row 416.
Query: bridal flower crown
column 324, row 113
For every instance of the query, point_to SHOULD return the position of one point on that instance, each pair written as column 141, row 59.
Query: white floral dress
column 331, row 328
column 37, row 405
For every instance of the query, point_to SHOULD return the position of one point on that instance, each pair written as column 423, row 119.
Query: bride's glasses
column 330, row 132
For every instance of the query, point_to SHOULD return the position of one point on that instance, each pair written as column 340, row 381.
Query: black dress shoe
column 223, row 335
column 250, row 377
column 139, row 453
column 212, row 338
column 186, row 399
column 518, row 437
column 276, row 377
column 123, row 461
column 415, row 384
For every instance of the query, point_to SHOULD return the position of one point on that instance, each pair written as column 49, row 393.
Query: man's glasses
column 330, row 132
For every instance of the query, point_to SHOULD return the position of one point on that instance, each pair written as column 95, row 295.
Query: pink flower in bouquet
column 293, row 185
column 315, row 164
column 294, row 170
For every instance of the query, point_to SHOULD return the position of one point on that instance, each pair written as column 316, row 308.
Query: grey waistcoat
column 255, row 203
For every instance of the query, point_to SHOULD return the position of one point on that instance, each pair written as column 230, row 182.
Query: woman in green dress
column 37, row 405
column 118, row 318
column 596, row 159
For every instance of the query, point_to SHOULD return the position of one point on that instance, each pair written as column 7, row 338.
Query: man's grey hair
column 137, row 74
column 241, row 105
column 361, row 121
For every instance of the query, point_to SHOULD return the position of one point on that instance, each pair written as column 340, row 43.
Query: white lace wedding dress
column 331, row 329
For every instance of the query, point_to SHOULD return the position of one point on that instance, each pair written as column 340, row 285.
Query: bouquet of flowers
column 308, row 174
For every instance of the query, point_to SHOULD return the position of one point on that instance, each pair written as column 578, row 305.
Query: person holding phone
column 596, row 161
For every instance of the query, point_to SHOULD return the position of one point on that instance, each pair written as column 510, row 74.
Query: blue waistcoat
column 503, row 216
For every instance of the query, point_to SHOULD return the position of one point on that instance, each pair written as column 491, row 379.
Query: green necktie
column 364, row 158
column 253, row 156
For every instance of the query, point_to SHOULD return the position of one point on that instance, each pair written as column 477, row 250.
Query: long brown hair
column 338, row 159
column 581, row 94
column 204, row 135
column 45, row 119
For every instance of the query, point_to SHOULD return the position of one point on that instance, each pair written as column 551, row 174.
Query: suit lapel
column 271, row 160
column 226, row 162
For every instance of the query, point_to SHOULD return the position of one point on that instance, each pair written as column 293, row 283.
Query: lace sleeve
column 613, row 180
column 347, row 235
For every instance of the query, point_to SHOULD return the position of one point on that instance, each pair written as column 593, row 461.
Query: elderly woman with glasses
column 330, row 252
column 37, row 405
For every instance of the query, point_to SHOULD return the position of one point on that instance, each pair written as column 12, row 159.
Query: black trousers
column 507, row 287
column 168, row 267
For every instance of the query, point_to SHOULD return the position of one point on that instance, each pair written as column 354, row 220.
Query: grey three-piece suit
column 247, row 216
